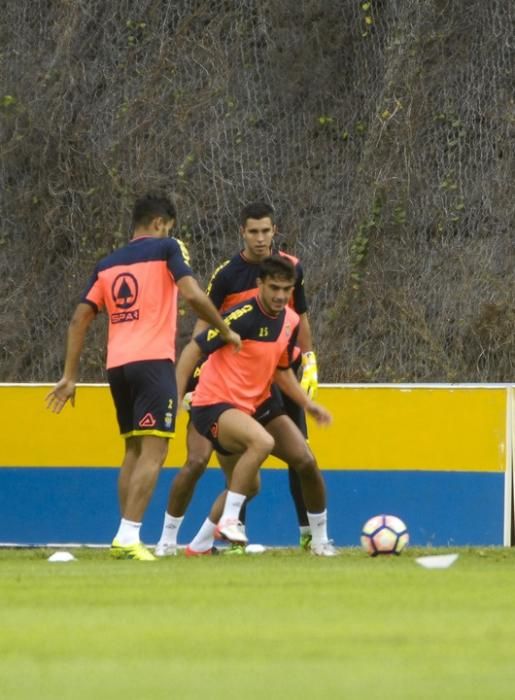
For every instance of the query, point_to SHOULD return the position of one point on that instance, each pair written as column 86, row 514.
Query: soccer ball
column 384, row 534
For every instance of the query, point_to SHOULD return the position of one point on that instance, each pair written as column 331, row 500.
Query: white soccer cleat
column 231, row 530
column 162, row 549
column 324, row 549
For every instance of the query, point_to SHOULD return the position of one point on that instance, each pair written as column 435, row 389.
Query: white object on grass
column 61, row 557
column 255, row 549
column 438, row 561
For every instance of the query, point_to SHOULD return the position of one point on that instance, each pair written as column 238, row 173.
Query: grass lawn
column 283, row 624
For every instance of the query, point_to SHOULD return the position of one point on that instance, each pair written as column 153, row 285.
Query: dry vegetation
column 382, row 132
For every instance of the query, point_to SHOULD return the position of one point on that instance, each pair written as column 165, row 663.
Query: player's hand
column 57, row 398
column 309, row 380
column 319, row 413
column 186, row 401
column 232, row 338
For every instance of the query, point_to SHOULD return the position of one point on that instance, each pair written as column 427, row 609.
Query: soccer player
column 233, row 396
column 232, row 282
column 137, row 285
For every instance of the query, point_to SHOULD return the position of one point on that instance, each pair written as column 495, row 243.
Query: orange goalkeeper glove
column 309, row 380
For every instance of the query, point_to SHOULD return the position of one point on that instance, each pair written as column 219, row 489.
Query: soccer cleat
column 189, row 552
column 231, row 530
column 324, row 549
column 305, row 541
column 234, row 550
column 162, row 549
column 136, row 551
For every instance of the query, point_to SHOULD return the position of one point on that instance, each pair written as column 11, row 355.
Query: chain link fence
column 381, row 131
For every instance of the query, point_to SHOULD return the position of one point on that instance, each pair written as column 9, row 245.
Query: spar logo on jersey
column 124, row 292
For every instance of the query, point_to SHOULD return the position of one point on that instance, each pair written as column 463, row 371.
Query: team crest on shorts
column 168, row 420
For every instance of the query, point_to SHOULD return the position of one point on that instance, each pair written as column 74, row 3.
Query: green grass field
column 279, row 625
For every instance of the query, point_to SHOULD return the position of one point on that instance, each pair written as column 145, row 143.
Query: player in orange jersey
column 232, row 282
column 137, row 286
column 232, row 397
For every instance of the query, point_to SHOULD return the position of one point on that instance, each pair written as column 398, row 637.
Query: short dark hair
column 150, row 207
column 277, row 266
column 257, row 210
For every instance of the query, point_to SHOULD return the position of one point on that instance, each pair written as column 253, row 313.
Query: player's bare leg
column 144, row 475
column 138, row 478
column 199, row 450
column 132, row 453
column 298, row 416
column 227, row 464
column 292, row 448
column 300, row 508
column 241, row 435
column 203, row 541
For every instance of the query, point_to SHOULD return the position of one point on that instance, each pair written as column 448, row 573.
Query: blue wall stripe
column 40, row 506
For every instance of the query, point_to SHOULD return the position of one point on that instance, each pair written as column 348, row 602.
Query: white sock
column 304, row 530
column 318, row 524
column 204, row 538
column 171, row 527
column 233, row 504
column 128, row 532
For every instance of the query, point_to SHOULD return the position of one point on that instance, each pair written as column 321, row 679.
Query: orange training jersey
column 136, row 285
column 236, row 280
column 244, row 378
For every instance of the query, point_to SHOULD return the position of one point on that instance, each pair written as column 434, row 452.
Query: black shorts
column 145, row 397
column 278, row 404
column 270, row 408
column 205, row 420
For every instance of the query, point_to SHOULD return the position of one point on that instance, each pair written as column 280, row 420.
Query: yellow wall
column 434, row 428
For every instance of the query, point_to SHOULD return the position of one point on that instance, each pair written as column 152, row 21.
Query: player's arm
column 199, row 327
column 206, row 310
column 288, row 384
column 216, row 291
column 65, row 387
column 304, row 338
column 188, row 360
column 240, row 320
column 309, row 379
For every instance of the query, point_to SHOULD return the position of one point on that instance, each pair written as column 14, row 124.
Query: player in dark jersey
column 137, row 286
column 231, row 391
column 234, row 281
